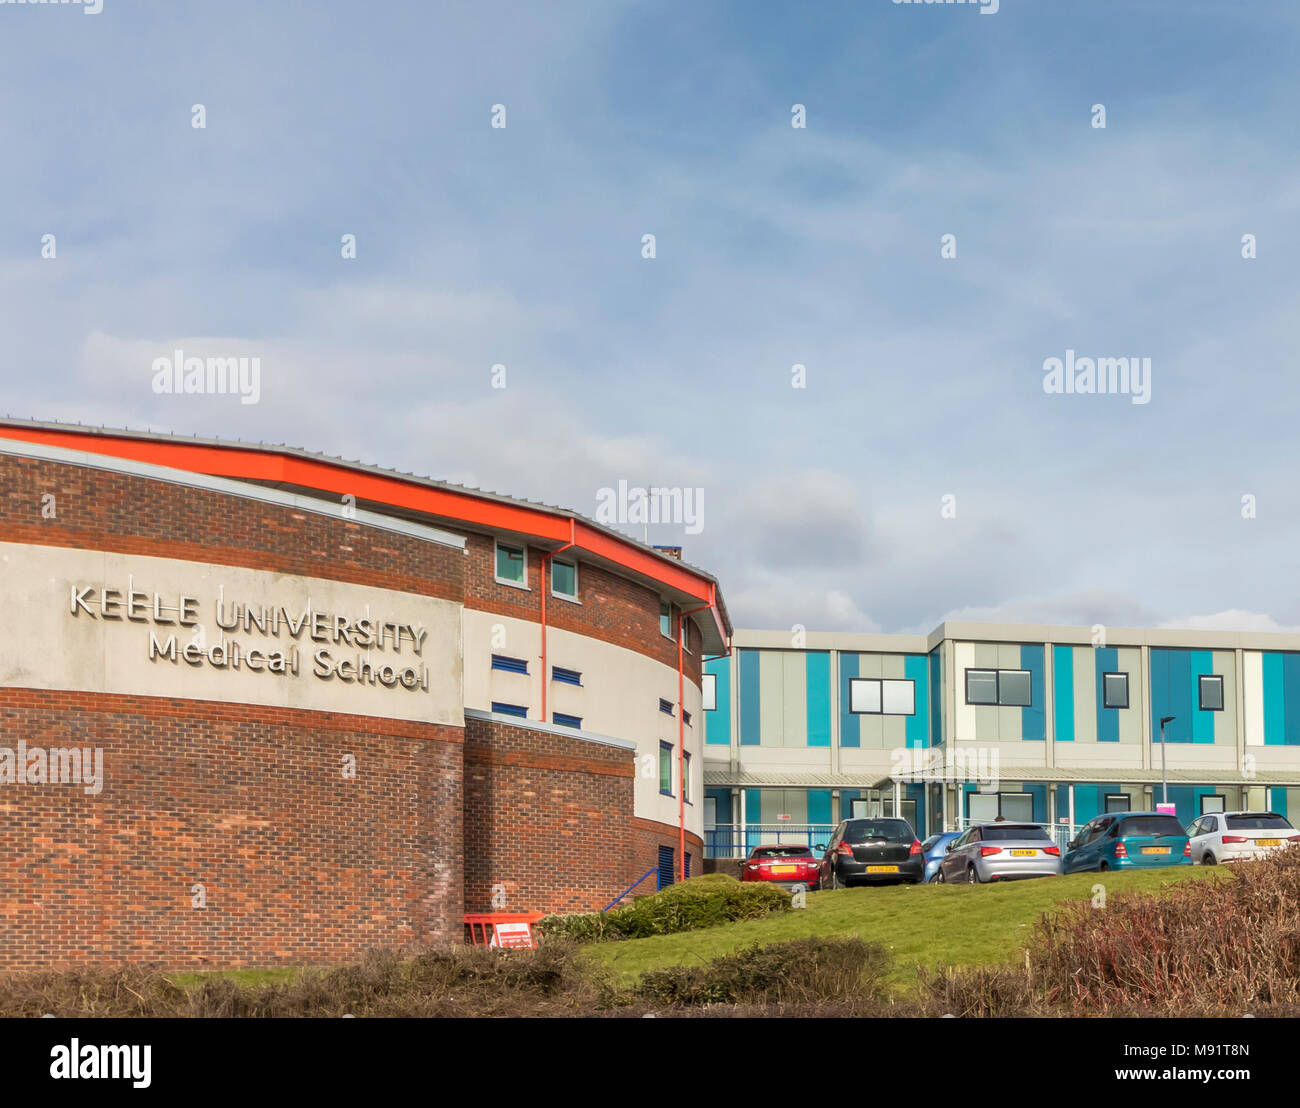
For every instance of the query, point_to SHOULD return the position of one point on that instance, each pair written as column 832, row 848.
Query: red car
column 787, row 865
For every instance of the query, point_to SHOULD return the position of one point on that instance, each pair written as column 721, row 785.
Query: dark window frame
column 1108, row 797
column 510, row 665
column 997, row 702
column 561, row 719
column 709, row 682
column 881, row 682
column 519, row 711
column 576, row 678
column 1200, row 691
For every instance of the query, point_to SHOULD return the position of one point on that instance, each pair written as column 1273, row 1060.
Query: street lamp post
column 1164, row 781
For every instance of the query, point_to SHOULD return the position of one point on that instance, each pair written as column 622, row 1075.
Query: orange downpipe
column 681, row 734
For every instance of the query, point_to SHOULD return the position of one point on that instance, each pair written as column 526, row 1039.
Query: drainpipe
column 681, row 733
column 545, row 585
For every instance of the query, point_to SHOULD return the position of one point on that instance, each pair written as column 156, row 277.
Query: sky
column 921, row 473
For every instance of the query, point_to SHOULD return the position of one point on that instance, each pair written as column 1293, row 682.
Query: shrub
column 706, row 901
column 796, row 972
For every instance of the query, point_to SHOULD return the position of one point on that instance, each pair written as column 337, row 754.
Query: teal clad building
column 1046, row 724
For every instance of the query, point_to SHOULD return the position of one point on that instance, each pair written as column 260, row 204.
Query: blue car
column 933, row 850
column 1128, row 840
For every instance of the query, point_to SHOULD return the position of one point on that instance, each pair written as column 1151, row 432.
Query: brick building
column 260, row 707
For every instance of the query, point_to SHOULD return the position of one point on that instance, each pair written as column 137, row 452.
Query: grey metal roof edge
column 364, row 467
column 246, row 490
column 549, row 728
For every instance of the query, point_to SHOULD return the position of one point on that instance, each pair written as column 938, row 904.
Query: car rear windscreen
column 782, row 852
column 891, row 830
column 1258, row 821
column 1151, row 825
column 1002, row 831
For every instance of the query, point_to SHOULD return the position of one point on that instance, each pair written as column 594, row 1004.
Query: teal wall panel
column 750, row 731
column 1063, row 693
column 850, row 734
column 1033, row 720
column 717, row 724
column 916, row 668
column 818, row 663
column 1107, row 659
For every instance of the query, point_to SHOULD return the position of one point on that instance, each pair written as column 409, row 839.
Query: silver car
column 1238, row 836
column 1000, row 852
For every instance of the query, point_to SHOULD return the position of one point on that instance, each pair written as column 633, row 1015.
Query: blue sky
column 775, row 246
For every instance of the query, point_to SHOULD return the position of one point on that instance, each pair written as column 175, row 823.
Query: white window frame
column 572, row 599
column 497, row 544
column 668, row 604
column 709, row 691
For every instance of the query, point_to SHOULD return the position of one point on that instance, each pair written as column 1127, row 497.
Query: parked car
column 785, row 864
column 1237, row 836
column 1128, row 840
column 1000, row 852
column 870, row 851
column 933, row 848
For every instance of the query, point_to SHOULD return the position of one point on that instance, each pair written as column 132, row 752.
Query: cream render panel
column 619, row 697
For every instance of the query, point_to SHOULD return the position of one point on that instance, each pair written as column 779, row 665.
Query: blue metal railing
column 651, row 870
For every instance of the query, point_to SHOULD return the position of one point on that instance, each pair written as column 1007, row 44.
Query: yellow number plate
column 1268, row 842
column 1155, row 850
column 882, row 869
column 785, row 869
column 1023, row 853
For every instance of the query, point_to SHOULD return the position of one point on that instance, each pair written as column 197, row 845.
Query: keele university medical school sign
column 92, row 621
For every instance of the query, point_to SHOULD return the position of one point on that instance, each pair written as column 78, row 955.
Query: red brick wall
column 547, row 817
column 550, row 818
column 299, row 864
column 124, row 514
column 613, row 608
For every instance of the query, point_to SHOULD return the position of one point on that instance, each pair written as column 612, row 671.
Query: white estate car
column 1236, row 836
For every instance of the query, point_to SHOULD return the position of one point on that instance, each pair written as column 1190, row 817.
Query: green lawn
column 931, row 925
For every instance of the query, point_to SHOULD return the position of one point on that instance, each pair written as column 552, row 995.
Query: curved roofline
column 292, row 467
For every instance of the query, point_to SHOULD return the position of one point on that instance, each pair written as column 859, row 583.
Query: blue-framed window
column 666, row 706
column 567, row 721
column 510, row 709
column 666, row 867
column 509, row 665
column 686, row 717
column 566, row 676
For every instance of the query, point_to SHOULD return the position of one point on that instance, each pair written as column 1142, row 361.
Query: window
column 686, row 779
column 1211, row 687
column 512, row 565
column 666, row 706
column 665, row 619
column 1118, row 802
column 686, row 718
column 1010, row 688
column 564, row 580
column 510, row 665
column 709, row 687
column 873, row 696
column 981, row 686
column 1114, row 688
column 1014, row 688
column 510, row 709
column 566, row 676
column 684, row 629
column 666, row 769
column 567, row 721
column 1212, row 802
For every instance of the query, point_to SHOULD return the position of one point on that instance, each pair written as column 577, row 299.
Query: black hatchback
column 872, row 851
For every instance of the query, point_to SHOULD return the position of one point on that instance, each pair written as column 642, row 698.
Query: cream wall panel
column 1253, row 696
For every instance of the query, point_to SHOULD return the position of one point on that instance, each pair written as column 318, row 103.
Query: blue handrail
column 653, row 869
